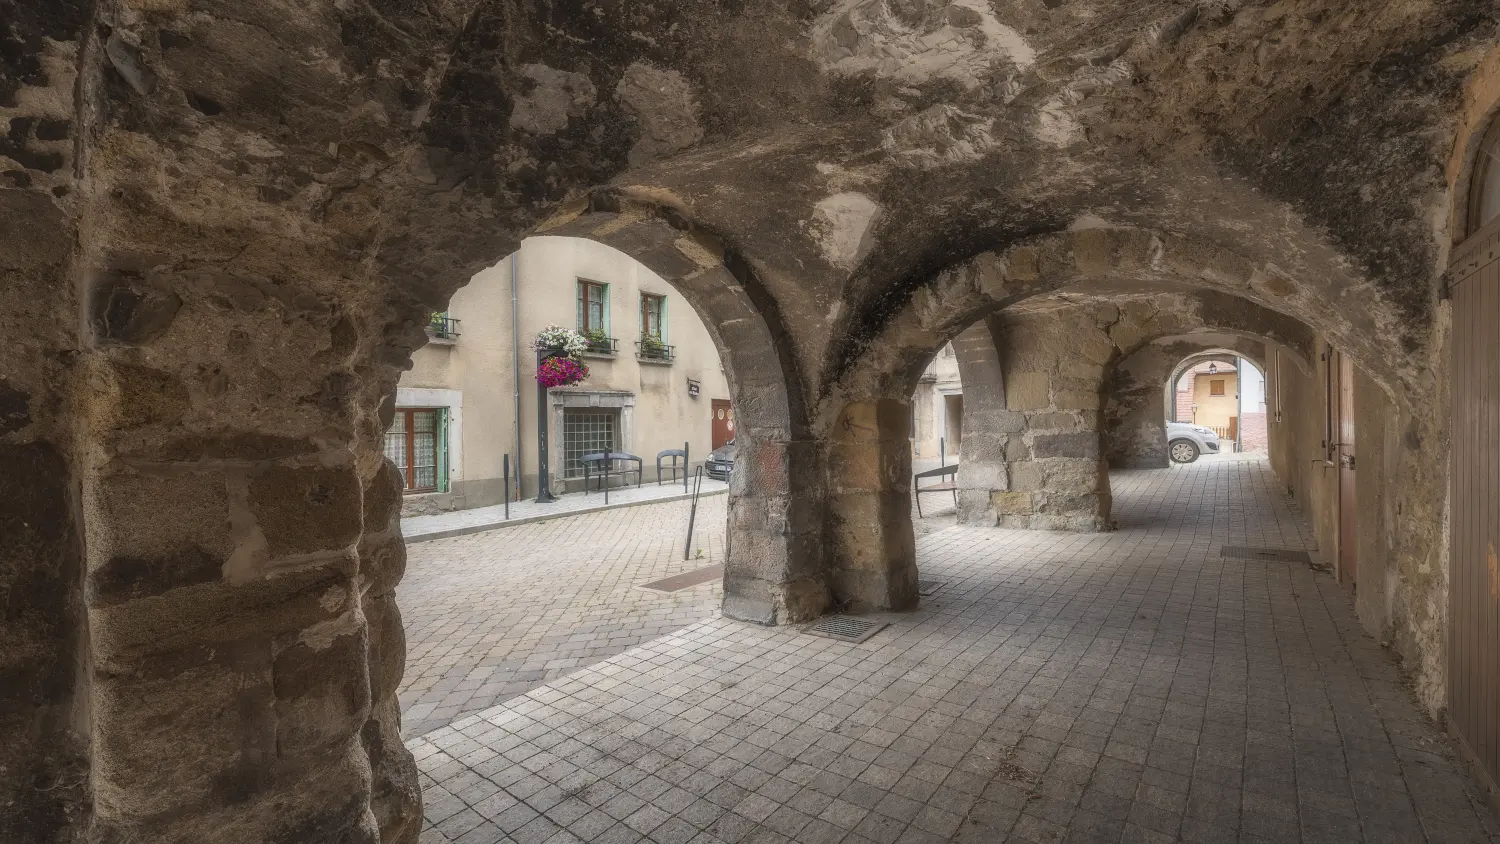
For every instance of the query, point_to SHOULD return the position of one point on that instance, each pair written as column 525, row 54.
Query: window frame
column 1486, row 161
column 582, row 305
column 439, row 449
column 1222, row 384
column 661, row 315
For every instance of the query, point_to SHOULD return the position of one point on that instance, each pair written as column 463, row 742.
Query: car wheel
column 1183, row 451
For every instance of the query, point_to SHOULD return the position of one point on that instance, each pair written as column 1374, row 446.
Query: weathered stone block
column 1017, row 450
column 1025, row 477
column 1078, row 400
column 1028, row 391
column 304, row 509
column 1066, row 445
column 382, row 562
column 1012, row 503
column 1054, row 421
column 322, row 688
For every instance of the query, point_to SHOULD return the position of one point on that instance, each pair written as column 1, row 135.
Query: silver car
column 1186, row 441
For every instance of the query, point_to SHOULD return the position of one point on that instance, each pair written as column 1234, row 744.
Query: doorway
column 1340, row 450
column 723, row 422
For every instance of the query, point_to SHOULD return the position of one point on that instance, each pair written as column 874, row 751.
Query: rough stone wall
column 1402, row 492
column 44, row 680
column 1053, row 367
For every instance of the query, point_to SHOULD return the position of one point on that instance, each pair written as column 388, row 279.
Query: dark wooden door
column 1474, row 570
column 723, row 422
column 1343, row 451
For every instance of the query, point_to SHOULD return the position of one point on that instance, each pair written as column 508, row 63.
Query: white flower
column 556, row 337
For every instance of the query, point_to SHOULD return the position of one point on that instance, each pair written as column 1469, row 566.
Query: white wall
column 477, row 369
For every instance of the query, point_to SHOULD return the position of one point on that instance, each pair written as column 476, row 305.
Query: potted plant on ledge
column 653, row 348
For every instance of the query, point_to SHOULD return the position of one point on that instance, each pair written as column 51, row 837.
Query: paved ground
column 457, row 522
column 482, row 626
column 1122, row 687
column 492, row 615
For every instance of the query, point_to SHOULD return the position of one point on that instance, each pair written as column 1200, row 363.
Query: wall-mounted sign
column 693, row 388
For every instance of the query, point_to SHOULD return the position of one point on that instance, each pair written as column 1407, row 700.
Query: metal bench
column 603, row 461
column 940, row 472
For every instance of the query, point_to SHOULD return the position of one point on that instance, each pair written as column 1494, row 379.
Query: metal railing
column 654, row 350
column 600, row 345
column 443, row 327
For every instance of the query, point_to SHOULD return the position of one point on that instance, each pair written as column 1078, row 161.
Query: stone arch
column 1138, row 390
column 1120, row 260
column 1041, row 428
column 775, row 572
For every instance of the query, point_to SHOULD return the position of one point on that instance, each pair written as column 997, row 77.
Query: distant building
column 1231, row 400
column 656, row 381
column 937, row 408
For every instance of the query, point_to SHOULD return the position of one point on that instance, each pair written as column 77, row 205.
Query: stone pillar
column 987, row 425
column 775, row 572
column 1135, row 412
column 874, row 560
column 1053, row 371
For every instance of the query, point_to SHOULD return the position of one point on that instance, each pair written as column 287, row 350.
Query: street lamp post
column 543, row 481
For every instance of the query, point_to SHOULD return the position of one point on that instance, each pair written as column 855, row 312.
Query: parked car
column 1186, row 441
column 721, row 462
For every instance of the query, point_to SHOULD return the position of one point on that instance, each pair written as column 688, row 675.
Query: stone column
column 1054, row 370
column 874, row 561
column 987, row 425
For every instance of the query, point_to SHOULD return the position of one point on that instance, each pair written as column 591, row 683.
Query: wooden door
column 1343, row 455
column 723, row 423
column 1474, row 569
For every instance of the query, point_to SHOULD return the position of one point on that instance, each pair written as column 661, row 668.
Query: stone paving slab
column 479, row 519
column 492, row 615
column 1123, row 687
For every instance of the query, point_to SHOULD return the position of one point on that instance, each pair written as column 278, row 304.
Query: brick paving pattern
column 1123, row 687
column 493, row 615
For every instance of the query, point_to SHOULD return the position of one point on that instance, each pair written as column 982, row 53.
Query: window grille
column 586, row 432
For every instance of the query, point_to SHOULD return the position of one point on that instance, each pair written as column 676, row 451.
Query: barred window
column 586, row 432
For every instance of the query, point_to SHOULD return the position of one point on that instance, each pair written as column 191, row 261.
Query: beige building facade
column 937, row 408
column 470, row 398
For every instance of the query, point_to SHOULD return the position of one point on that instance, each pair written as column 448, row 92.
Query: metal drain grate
column 1272, row 555
column 927, row 587
column 846, row 628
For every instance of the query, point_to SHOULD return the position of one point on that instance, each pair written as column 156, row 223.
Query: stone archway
column 775, row 571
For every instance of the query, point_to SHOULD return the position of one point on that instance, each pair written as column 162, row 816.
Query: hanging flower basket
column 565, row 340
column 560, row 372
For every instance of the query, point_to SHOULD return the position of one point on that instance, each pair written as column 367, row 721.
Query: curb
column 449, row 533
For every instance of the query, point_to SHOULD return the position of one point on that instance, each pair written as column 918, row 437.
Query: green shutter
column 442, row 449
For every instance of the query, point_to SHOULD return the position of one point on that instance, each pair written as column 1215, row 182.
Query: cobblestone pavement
column 1123, row 687
column 492, row 615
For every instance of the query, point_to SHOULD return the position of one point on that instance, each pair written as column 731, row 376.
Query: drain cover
column 1275, row 555
column 927, row 587
column 846, row 628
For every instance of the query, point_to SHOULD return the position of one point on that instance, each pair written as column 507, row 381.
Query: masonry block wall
column 1053, row 365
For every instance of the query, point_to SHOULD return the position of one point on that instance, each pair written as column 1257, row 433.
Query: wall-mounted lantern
column 1213, row 369
column 693, row 388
